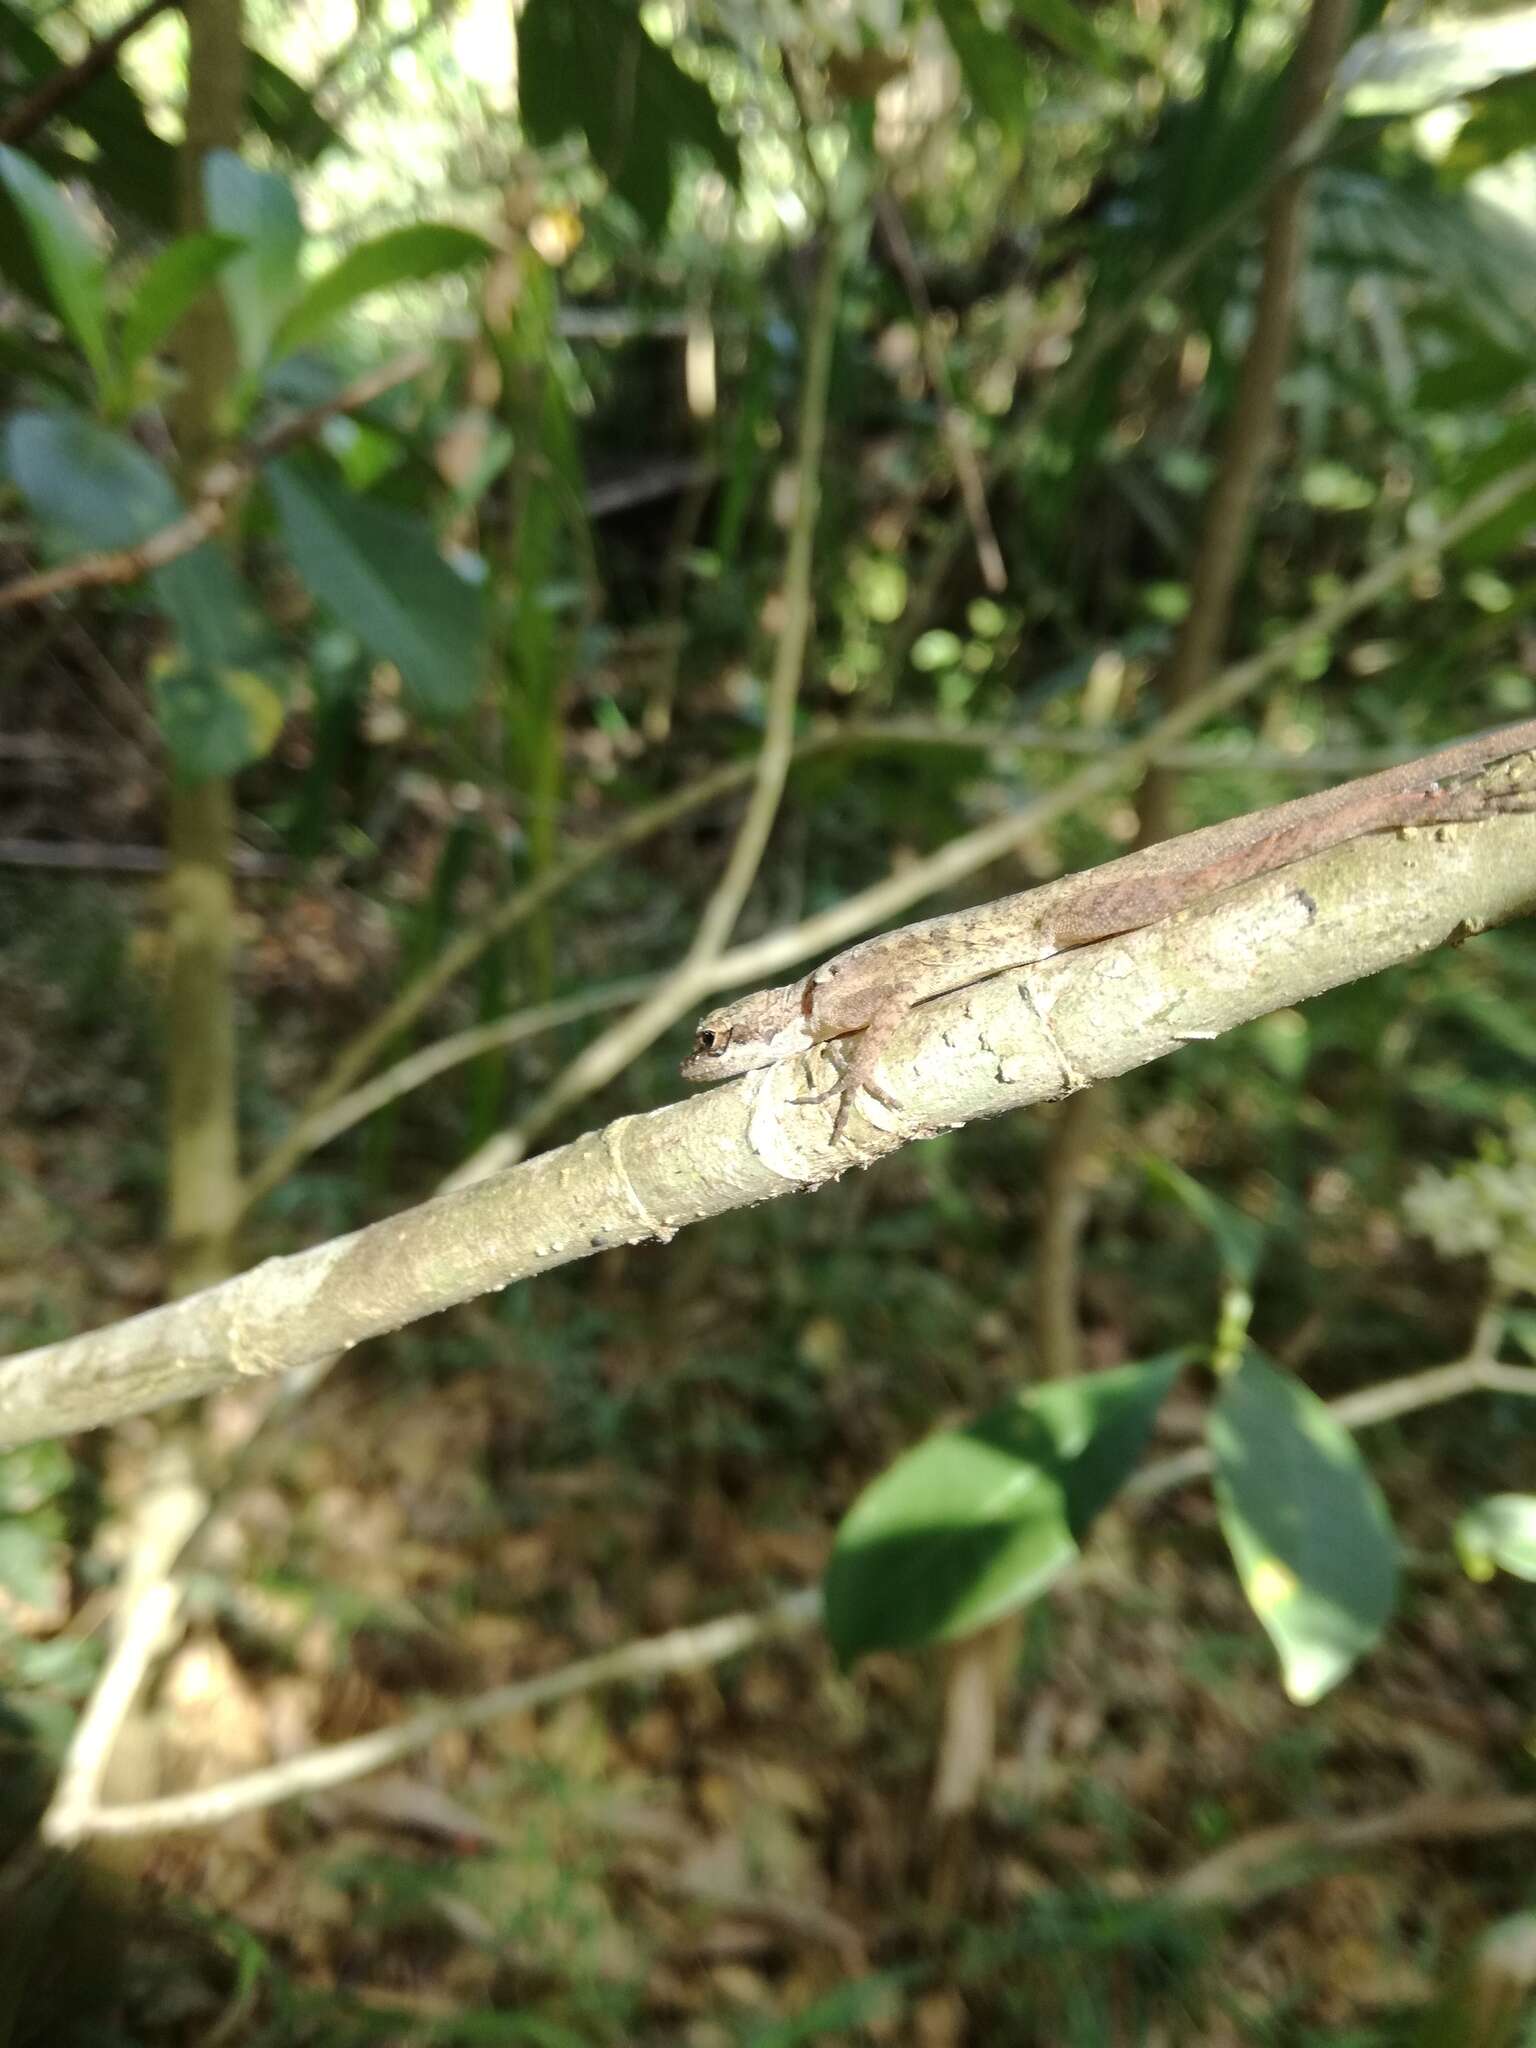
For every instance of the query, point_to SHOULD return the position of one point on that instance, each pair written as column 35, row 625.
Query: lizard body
column 872, row 985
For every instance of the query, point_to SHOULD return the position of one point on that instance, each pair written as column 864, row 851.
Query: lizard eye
column 710, row 1040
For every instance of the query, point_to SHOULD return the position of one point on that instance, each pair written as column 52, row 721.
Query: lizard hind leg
column 858, row 1067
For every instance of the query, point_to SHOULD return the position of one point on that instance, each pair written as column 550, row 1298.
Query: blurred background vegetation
column 476, row 343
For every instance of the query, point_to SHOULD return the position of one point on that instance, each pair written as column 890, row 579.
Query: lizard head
column 752, row 1033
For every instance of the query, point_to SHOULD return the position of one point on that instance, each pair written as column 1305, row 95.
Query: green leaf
column 93, row 487
column 32, row 1475
column 30, row 1564
column 1066, row 24
column 380, row 572
column 1514, row 444
column 57, row 368
column 285, row 111
column 1500, row 125
column 1499, row 1534
column 68, row 258
column 215, row 720
column 100, row 490
column 999, row 76
column 979, row 1520
column 261, row 285
column 403, row 256
column 1306, row 1524
column 180, row 271
column 593, row 70
column 1239, row 1239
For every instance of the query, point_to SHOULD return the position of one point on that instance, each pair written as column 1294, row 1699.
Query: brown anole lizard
column 871, row 986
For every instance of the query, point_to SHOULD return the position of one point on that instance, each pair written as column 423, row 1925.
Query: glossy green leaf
column 1499, row 1534
column 593, row 70
column 977, row 1521
column 1306, row 1524
column 68, row 258
column 380, row 572
column 261, row 285
column 182, row 270
column 404, row 256
column 97, row 489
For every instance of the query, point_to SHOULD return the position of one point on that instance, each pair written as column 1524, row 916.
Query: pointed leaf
column 977, row 1521
column 1499, row 1534
column 1306, row 1524
column 178, row 274
column 379, row 571
column 66, row 255
column 285, row 111
column 403, row 256
column 593, row 69
column 260, row 285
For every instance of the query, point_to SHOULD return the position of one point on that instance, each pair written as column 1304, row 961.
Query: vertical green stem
column 203, row 1157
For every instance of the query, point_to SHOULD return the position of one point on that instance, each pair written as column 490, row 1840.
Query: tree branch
column 1023, row 1037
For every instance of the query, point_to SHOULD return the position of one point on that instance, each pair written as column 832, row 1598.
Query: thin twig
column 683, row 1649
column 149, row 1603
column 101, row 857
column 429, row 1062
column 1278, row 1857
column 952, row 421
column 20, row 122
column 220, row 486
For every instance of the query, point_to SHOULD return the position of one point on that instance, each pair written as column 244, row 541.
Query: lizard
column 871, row 986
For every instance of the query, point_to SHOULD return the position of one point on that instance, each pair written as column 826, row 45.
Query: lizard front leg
column 858, row 1067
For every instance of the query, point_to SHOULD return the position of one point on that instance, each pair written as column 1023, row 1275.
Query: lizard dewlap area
column 871, row 986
